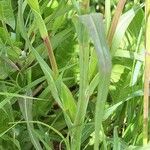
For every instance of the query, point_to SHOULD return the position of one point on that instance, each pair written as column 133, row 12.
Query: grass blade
column 122, row 26
column 115, row 20
column 83, row 91
column 48, row 74
column 44, row 34
column 95, row 26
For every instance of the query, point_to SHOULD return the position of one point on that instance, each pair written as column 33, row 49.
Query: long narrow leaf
column 95, row 26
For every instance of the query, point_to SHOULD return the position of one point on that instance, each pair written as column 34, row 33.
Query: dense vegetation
column 72, row 74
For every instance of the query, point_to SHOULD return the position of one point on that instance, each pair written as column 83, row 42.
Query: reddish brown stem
column 51, row 55
column 115, row 20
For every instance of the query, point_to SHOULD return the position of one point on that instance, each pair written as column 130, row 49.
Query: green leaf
column 129, row 55
column 117, row 71
column 122, row 27
column 95, row 26
column 39, row 20
column 68, row 101
column 113, row 108
column 34, row 4
column 6, row 13
column 26, row 109
column 116, row 143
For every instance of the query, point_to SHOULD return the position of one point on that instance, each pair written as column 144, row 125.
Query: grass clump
column 73, row 74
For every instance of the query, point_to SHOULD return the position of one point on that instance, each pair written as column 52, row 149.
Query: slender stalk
column 83, row 91
column 107, row 15
column 51, row 55
column 100, row 107
column 37, row 90
column 147, row 74
column 83, row 98
column 115, row 20
column 44, row 33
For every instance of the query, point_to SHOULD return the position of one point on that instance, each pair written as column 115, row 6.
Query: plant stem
column 51, row 55
column 115, row 20
column 100, row 107
column 83, row 98
column 107, row 15
column 83, row 91
column 44, row 33
column 147, row 74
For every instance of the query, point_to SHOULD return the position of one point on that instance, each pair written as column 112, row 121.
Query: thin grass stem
column 115, row 20
column 83, row 91
column 51, row 56
column 147, row 74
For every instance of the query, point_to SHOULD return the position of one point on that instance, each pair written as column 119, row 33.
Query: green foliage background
column 39, row 111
